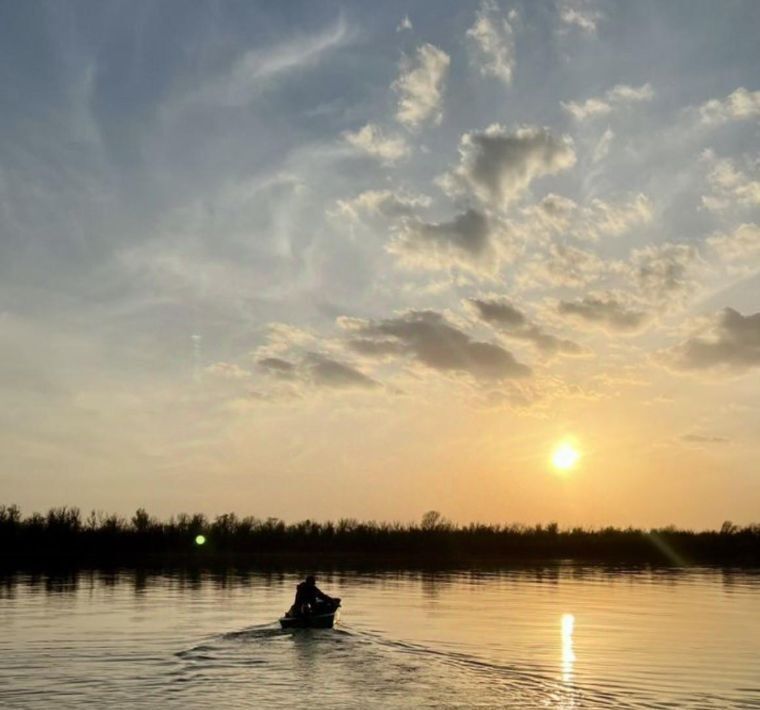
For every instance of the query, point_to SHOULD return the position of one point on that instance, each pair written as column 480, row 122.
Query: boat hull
column 312, row 621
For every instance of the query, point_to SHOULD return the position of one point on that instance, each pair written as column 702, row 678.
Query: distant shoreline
column 61, row 537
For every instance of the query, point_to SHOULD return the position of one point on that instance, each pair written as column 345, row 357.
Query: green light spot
column 200, row 539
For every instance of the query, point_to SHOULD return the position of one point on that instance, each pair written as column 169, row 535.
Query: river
column 537, row 637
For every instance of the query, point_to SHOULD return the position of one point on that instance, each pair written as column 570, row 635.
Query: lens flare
column 200, row 539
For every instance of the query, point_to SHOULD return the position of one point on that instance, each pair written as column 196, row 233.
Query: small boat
column 322, row 616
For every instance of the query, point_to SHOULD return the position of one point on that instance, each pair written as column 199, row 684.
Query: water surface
column 549, row 637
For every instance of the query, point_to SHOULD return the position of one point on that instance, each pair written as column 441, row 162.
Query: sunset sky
column 370, row 259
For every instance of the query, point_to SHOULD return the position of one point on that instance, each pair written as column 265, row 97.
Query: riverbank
column 63, row 537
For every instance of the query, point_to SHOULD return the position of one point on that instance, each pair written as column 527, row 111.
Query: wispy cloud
column 589, row 222
column 371, row 139
column 613, row 99
column 256, row 69
column 579, row 14
column 492, row 42
column 729, row 186
column 386, row 203
column 420, row 86
column 739, row 249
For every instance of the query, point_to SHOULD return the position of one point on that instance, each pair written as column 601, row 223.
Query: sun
column 565, row 457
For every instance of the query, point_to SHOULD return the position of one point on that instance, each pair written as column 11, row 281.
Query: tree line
column 63, row 535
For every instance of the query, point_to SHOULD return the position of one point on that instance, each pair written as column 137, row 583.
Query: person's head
column 311, row 580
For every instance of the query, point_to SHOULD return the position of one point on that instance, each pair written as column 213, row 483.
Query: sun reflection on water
column 568, row 655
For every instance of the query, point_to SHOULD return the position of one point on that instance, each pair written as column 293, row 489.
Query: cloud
column 602, row 148
column 580, row 14
column 227, row 371
column 729, row 186
column 326, row 372
column 493, row 42
column 499, row 312
column 497, row 166
column 603, row 218
column 561, row 215
column 318, row 370
column 502, row 315
column 614, row 98
column 382, row 203
column 731, row 343
column 256, row 68
column 606, row 312
column 420, row 86
column 664, row 271
column 428, row 338
column 740, row 247
column 282, row 338
column 404, row 24
column 371, row 140
column 737, row 106
column 375, row 348
column 282, row 369
column 468, row 241
column 563, row 265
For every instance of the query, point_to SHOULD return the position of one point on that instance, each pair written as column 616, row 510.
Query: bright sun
column 565, row 456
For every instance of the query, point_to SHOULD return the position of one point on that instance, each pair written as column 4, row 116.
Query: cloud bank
column 513, row 323
column 430, row 340
column 732, row 343
column 605, row 312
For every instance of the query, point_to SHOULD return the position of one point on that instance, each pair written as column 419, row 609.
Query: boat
column 321, row 616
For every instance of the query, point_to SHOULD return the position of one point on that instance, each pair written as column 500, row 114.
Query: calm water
column 541, row 638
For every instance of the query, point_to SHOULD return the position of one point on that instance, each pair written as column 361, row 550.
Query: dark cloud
column 664, row 270
column 498, row 165
column 733, row 343
column 465, row 240
column 326, row 372
column 605, row 312
column 513, row 323
column 276, row 364
column 498, row 313
column 545, row 342
column 375, row 348
column 431, row 340
column 319, row 370
column 282, row 369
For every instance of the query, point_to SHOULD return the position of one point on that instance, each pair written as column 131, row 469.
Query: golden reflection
column 568, row 655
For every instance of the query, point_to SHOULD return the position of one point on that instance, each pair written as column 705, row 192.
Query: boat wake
column 349, row 667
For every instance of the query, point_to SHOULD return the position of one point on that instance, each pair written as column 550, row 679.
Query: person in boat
column 309, row 597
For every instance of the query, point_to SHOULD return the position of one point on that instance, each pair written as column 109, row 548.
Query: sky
column 348, row 259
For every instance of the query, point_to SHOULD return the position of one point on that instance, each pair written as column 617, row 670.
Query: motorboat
column 316, row 616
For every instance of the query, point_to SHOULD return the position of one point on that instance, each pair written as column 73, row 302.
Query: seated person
column 309, row 596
